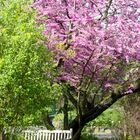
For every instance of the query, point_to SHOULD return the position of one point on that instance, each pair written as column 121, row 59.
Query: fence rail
column 47, row 134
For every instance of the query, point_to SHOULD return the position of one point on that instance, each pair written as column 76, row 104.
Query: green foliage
column 110, row 118
column 16, row 23
column 26, row 67
column 14, row 136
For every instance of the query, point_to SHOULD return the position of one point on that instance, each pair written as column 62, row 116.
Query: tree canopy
column 97, row 44
column 27, row 89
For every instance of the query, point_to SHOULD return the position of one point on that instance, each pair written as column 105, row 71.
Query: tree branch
column 71, row 98
column 107, row 9
column 86, row 66
column 95, row 112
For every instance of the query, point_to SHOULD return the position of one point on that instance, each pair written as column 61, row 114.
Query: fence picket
column 47, row 134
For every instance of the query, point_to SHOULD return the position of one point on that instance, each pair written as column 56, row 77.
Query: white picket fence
column 47, row 134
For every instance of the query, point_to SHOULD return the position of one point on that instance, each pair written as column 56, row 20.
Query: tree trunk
column 77, row 135
column 90, row 115
column 2, row 136
column 93, row 113
column 48, row 122
column 65, row 112
column 76, row 129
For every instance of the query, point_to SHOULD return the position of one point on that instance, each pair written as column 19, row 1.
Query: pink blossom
column 103, row 44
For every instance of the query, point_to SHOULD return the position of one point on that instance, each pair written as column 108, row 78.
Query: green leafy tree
column 27, row 89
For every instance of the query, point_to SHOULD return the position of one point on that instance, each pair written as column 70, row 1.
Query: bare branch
column 86, row 66
column 94, row 3
column 106, row 12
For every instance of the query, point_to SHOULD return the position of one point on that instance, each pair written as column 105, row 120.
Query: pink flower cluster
column 97, row 39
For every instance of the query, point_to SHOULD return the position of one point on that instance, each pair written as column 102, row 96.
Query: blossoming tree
column 97, row 45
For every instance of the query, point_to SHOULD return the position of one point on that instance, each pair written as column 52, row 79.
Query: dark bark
column 90, row 115
column 0, row 135
column 1, row 129
column 65, row 112
column 93, row 113
column 99, row 109
column 3, row 136
column 48, row 122
column 76, row 128
column 77, row 135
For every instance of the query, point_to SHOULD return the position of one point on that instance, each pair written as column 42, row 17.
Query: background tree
column 27, row 89
column 131, row 123
column 97, row 46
